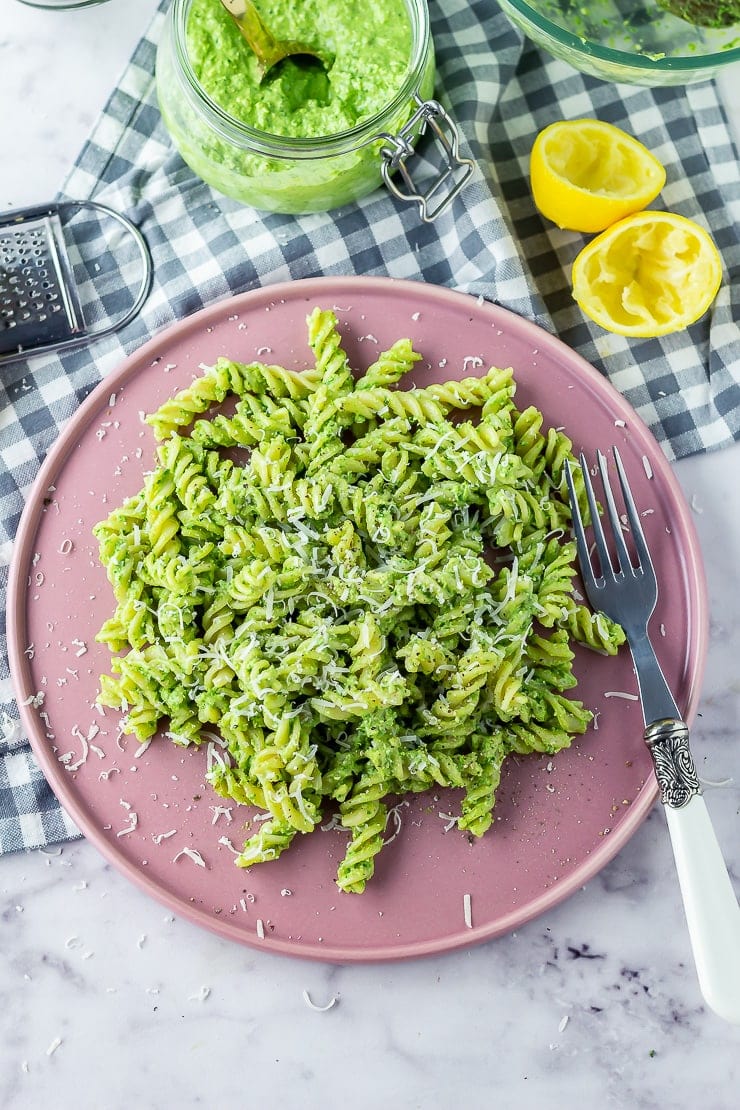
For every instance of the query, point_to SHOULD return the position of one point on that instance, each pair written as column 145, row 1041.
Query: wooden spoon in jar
column 267, row 49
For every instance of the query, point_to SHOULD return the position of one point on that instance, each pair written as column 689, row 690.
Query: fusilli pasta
column 373, row 600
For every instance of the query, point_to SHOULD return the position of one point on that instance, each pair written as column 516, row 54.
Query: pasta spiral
column 358, row 595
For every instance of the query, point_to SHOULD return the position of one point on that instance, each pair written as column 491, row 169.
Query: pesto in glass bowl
column 639, row 42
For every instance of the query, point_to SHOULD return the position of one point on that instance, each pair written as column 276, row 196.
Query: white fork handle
column 712, row 910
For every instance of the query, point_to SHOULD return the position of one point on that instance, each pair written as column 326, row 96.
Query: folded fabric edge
column 31, row 815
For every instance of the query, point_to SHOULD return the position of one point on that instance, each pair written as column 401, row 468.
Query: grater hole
column 63, row 286
column 33, row 305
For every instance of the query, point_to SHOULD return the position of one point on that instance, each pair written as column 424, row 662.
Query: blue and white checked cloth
column 501, row 91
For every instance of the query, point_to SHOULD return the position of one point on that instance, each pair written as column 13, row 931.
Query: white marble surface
column 102, row 992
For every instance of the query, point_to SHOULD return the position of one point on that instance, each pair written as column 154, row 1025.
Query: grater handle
column 144, row 255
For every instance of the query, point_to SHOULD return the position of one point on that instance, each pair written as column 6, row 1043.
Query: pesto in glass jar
column 303, row 141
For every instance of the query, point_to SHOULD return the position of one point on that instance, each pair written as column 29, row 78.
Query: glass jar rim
column 338, row 142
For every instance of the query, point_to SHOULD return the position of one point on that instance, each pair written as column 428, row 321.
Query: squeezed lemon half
column 650, row 274
column 586, row 174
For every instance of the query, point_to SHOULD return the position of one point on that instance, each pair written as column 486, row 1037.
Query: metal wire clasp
column 453, row 173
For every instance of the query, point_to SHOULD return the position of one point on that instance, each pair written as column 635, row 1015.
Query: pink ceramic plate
column 558, row 820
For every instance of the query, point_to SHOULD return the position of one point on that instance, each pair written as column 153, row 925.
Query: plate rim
column 54, row 462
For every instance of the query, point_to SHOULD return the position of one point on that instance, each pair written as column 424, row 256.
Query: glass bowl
column 633, row 41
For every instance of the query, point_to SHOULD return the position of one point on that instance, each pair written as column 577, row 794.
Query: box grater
column 44, row 269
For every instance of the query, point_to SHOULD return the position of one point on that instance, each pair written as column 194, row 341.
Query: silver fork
column 628, row 595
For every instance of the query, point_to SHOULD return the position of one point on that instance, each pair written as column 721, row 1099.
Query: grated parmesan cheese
column 191, row 853
column 227, row 844
column 10, row 729
column 715, row 782
column 468, row 911
column 221, row 811
column 133, row 818
column 394, row 814
column 320, row 1009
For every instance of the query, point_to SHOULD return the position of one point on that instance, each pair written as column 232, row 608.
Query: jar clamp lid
column 69, row 273
column 453, row 172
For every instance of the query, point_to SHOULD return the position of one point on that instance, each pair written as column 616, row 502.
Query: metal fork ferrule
column 668, row 741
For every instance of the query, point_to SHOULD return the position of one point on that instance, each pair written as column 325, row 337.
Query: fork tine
column 643, row 554
column 623, row 559
column 577, row 518
column 605, row 565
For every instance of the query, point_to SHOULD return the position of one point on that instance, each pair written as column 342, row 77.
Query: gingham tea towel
column 492, row 242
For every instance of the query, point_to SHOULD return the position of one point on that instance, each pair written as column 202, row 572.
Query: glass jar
column 62, row 5
column 279, row 173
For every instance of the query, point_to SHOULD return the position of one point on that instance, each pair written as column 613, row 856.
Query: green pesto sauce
column 705, row 13
column 369, row 42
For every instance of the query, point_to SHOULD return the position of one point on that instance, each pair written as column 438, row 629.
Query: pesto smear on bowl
column 367, row 42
